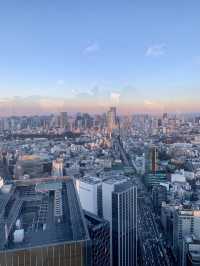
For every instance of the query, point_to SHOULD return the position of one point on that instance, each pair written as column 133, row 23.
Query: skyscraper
column 165, row 116
column 111, row 119
column 57, row 168
column 90, row 194
column 151, row 160
column 64, row 120
column 120, row 209
column 159, row 195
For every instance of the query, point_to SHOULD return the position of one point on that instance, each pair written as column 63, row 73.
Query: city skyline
column 100, row 133
column 138, row 56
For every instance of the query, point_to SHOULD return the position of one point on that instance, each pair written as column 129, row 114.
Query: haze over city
column 141, row 56
column 100, row 133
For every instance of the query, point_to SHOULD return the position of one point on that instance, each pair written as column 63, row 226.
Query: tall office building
column 64, row 120
column 151, row 160
column 57, row 168
column 120, row 209
column 99, row 231
column 186, row 223
column 159, row 195
column 90, row 193
column 112, row 119
column 43, row 224
column 167, row 216
column 165, row 116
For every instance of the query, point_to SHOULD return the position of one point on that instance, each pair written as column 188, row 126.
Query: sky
column 139, row 55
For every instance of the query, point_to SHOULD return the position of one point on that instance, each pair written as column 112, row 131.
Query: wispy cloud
column 156, row 50
column 92, row 48
column 148, row 102
column 154, row 105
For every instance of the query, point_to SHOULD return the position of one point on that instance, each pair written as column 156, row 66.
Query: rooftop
column 29, row 157
column 46, row 211
column 116, row 180
column 90, row 180
column 189, row 212
column 123, row 186
column 94, row 221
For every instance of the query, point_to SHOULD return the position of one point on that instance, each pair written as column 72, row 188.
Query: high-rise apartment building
column 120, row 209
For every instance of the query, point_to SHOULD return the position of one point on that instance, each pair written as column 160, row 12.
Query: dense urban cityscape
column 102, row 189
column 100, row 133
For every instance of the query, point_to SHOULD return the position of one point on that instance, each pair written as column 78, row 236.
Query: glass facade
column 124, row 227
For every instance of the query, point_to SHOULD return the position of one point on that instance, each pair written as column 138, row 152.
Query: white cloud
column 74, row 92
column 148, row 102
column 154, row 105
column 60, row 82
column 49, row 103
column 156, row 50
column 115, row 96
column 92, row 48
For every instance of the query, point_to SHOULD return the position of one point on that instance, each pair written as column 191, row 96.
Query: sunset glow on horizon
column 66, row 57
column 39, row 105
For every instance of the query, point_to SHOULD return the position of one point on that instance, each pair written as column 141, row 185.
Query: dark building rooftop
column 121, row 187
column 93, row 220
column 40, row 212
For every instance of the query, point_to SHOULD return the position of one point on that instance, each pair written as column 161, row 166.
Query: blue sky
column 136, row 50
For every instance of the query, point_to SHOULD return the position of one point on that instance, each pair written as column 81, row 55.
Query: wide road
column 153, row 252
